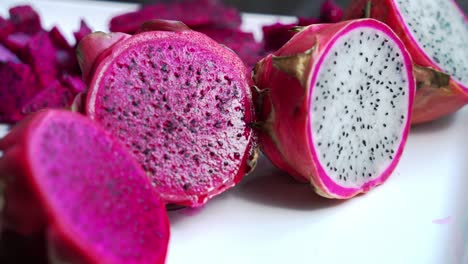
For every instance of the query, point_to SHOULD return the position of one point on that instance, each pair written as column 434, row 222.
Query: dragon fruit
column 180, row 101
column 54, row 96
column 82, row 31
column 242, row 43
column 65, row 177
column 25, row 19
column 17, row 86
column 194, row 13
column 334, row 105
column 435, row 32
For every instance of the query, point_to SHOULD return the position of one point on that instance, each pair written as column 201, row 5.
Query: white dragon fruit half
column 334, row 105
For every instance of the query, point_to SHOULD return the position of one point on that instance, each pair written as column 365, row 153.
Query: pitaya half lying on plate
column 334, row 105
column 65, row 176
column 435, row 32
column 180, row 101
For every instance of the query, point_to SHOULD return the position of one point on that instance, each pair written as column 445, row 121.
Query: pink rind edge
column 323, row 179
column 416, row 43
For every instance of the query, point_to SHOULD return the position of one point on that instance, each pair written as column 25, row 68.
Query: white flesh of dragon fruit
column 359, row 108
column 441, row 30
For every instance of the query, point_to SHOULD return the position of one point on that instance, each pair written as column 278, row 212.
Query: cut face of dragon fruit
column 181, row 102
column 344, row 119
column 435, row 33
column 441, row 30
column 65, row 177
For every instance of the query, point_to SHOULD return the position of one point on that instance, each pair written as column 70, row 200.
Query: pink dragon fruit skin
column 337, row 125
column 437, row 95
column 66, row 177
column 183, row 106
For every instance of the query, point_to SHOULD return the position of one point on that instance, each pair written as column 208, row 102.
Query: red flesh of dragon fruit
column 197, row 13
column 50, row 57
column 54, row 96
column 40, row 55
column 67, row 178
column 17, row 86
column 242, row 43
column 435, row 33
column 82, row 32
column 25, row 19
column 6, row 28
column 17, row 42
column 181, row 102
column 343, row 120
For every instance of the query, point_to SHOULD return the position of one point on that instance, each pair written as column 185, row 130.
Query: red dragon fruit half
column 65, row 177
column 180, row 101
column 435, row 32
column 334, row 105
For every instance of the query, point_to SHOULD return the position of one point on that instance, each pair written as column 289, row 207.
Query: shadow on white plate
column 434, row 126
column 273, row 187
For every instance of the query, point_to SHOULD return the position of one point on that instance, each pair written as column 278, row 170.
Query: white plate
column 418, row 216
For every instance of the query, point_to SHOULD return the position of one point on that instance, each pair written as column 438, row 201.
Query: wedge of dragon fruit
column 435, row 32
column 334, row 105
column 64, row 178
column 180, row 101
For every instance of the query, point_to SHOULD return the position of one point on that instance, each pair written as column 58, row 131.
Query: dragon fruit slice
column 82, row 31
column 6, row 28
column 40, row 55
column 54, row 96
column 242, row 43
column 17, row 86
column 65, row 177
column 194, row 13
column 334, row 105
column 181, row 102
column 435, row 33
column 17, row 42
column 25, row 19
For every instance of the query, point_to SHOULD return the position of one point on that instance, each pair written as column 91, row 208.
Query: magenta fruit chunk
column 180, row 102
column 65, row 177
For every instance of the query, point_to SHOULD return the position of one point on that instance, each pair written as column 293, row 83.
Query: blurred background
column 282, row 7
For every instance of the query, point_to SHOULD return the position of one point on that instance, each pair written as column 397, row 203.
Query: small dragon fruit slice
column 182, row 103
column 242, row 43
column 25, row 19
column 40, row 54
column 17, row 86
column 435, row 32
column 334, row 105
column 55, row 95
column 67, row 178
column 194, row 13
column 82, row 31
column 6, row 28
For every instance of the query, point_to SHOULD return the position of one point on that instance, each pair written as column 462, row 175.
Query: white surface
column 269, row 218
